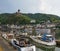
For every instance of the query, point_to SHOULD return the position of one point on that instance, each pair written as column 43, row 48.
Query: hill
column 11, row 18
column 8, row 18
column 39, row 17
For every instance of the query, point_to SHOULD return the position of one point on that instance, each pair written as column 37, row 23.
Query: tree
column 13, row 19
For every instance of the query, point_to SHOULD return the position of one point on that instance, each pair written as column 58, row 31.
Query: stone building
column 18, row 13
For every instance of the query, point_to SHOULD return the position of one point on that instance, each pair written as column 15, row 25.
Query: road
column 1, row 49
column 4, row 46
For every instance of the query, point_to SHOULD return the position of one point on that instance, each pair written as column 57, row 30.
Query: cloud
column 45, row 6
column 50, row 7
column 31, row 6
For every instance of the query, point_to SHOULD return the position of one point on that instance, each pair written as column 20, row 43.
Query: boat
column 8, row 36
column 45, row 39
column 23, row 45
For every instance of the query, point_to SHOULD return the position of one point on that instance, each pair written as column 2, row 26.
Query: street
column 1, row 49
column 4, row 46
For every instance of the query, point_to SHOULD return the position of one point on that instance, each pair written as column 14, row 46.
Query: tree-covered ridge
column 13, row 19
column 44, row 17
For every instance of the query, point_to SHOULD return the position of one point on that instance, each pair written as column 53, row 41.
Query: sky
column 30, row 6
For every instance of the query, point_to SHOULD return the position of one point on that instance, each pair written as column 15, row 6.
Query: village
column 16, row 31
column 18, row 36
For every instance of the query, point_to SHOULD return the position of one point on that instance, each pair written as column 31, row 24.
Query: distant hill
column 8, row 18
column 11, row 18
column 39, row 17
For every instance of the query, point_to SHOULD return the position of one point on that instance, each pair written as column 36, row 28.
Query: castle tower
column 18, row 13
column 18, row 10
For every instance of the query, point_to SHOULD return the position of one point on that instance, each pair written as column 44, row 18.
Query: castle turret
column 18, row 10
column 18, row 13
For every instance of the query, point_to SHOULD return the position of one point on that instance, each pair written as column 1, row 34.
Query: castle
column 18, row 13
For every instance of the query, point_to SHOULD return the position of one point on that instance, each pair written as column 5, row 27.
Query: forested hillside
column 44, row 17
column 7, row 18
column 11, row 18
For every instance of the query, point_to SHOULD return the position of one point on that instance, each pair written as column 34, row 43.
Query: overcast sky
column 30, row 6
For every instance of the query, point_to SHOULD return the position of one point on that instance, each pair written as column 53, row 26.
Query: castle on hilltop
column 18, row 13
